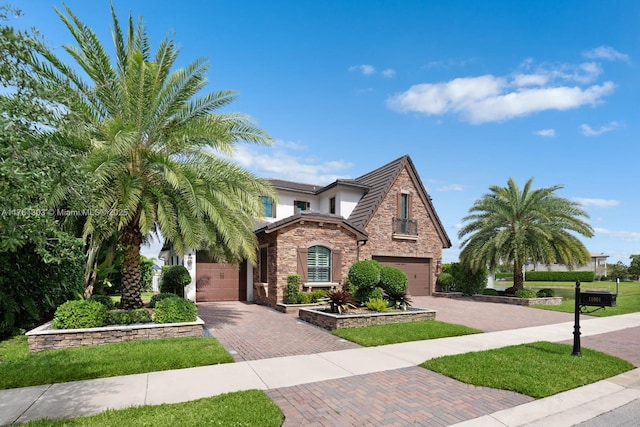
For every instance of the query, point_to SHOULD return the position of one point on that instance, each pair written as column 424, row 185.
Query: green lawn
column 538, row 369
column 243, row 408
column 19, row 368
column 628, row 300
column 370, row 336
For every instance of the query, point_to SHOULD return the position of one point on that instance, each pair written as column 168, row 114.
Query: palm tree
column 155, row 150
column 513, row 226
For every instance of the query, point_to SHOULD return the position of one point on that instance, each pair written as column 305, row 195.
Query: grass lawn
column 628, row 300
column 243, row 408
column 369, row 336
column 146, row 297
column 19, row 368
column 538, row 369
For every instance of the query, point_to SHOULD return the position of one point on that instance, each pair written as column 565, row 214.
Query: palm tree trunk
column 131, row 240
column 518, row 276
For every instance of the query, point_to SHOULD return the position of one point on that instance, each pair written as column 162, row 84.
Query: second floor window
column 300, row 205
column 269, row 207
column 332, row 205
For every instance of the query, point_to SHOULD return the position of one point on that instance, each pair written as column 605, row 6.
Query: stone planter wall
column 295, row 308
column 448, row 294
column 45, row 337
column 333, row 321
column 518, row 301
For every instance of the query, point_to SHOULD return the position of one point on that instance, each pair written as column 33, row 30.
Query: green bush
column 79, row 314
column 393, row 280
column 377, row 304
column 159, row 297
column 292, row 295
column 365, row 274
column 467, row 281
column 175, row 310
column 105, row 300
column 365, row 294
column 525, row 293
column 305, row 298
column 560, row 276
column 505, row 276
column 174, row 279
column 445, row 281
column 127, row 317
column 546, row 293
column 318, row 294
column 490, row 291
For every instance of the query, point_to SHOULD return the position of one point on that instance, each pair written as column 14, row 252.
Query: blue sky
column 474, row 91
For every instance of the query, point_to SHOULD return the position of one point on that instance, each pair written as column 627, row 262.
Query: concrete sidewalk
column 93, row 396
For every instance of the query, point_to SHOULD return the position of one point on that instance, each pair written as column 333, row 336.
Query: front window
column 318, row 264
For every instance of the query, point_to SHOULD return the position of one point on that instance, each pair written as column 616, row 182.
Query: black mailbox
column 598, row 299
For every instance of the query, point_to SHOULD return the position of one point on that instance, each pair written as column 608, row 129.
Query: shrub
column 318, row 295
column 127, row 317
column 399, row 300
column 160, row 297
column 105, row 300
column 490, row 291
column 467, row 281
column 560, row 276
column 175, row 310
column 365, row 294
column 80, row 314
column 504, row 276
column 174, row 279
column 377, row 304
column 546, row 293
column 445, row 281
column 292, row 295
column 305, row 298
column 525, row 293
column 339, row 300
column 365, row 274
column 393, row 280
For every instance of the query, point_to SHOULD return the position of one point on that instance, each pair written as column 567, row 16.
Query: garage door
column 219, row 282
column 418, row 272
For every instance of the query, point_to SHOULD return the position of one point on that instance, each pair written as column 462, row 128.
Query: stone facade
column 333, row 321
column 45, row 337
column 518, row 301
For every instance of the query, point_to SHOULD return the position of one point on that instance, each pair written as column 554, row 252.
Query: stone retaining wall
column 295, row 308
column 333, row 321
column 518, row 301
column 45, row 337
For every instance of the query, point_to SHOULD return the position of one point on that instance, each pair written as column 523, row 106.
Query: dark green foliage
column 105, row 300
column 490, row 291
column 546, row 293
column 340, row 300
column 445, row 281
column 160, row 297
column 525, row 293
column 377, row 304
column 174, row 279
column 560, row 276
column 146, row 273
column 318, row 295
column 393, row 280
column 398, row 300
column 365, row 274
column 365, row 294
column 292, row 295
column 80, row 314
column 127, row 317
column 467, row 281
column 305, row 298
column 175, row 310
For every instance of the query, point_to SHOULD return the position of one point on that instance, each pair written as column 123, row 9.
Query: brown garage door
column 418, row 272
column 220, row 282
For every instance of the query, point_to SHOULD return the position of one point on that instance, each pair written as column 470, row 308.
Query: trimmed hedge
column 560, row 276
column 79, row 314
column 105, row 300
column 490, row 291
column 174, row 279
column 160, row 297
column 175, row 310
column 546, row 293
column 393, row 280
column 525, row 293
column 292, row 295
column 127, row 317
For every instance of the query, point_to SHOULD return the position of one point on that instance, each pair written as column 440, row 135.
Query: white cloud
column 546, row 132
column 278, row 162
column 630, row 236
column 606, row 52
column 450, row 187
column 365, row 69
column 589, row 131
column 599, row 203
column 389, row 73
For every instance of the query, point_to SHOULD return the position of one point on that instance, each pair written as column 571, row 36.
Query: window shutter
column 336, row 266
column 410, row 207
column 399, row 207
column 302, row 264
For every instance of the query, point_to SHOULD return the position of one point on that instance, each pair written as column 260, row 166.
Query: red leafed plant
column 340, row 301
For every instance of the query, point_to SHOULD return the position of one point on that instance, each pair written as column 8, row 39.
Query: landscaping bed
column 448, row 294
column 45, row 337
column 352, row 319
column 295, row 308
column 518, row 301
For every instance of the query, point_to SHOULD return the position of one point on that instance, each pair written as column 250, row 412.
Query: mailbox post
column 589, row 299
column 576, row 324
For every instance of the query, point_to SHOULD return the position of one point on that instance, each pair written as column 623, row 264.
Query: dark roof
column 315, row 217
column 299, row 187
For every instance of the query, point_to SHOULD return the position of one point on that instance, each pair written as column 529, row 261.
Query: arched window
column 318, row 264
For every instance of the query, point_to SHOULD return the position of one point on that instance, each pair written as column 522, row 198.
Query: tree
column 514, row 226
column 618, row 271
column 154, row 150
column 634, row 266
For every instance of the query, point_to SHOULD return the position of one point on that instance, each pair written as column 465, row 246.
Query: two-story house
column 318, row 232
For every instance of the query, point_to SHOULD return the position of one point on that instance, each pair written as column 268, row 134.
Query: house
column 318, row 232
column 598, row 265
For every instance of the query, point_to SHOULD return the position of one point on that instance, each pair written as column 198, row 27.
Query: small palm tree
column 153, row 150
column 514, row 226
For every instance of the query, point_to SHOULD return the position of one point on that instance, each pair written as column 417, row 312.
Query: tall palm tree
column 155, row 149
column 514, row 226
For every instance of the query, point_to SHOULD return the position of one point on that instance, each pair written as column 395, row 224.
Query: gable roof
column 313, row 217
column 380, row 182
column 315, row 190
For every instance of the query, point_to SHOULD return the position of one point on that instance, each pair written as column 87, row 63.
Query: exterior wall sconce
column 189, row 261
